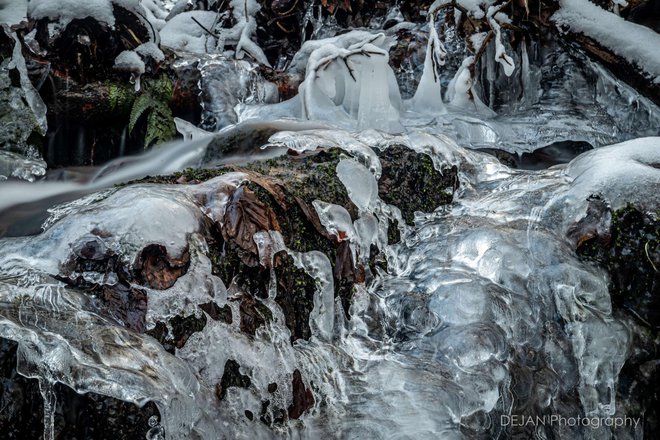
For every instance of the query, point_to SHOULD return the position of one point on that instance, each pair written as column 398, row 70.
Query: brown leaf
column 303, row 398
column 244, row 216
column 158, row 270
column 344, row 266
column 275, row 187
column 330, row 6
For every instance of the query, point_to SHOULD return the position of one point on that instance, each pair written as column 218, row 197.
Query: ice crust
column 467, row 290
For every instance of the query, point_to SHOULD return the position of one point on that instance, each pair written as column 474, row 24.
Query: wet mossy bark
column 630, row 253
column 631, row 256
column 285, row 187
column 411, row 183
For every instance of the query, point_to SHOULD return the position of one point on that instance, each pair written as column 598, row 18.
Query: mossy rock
column 286, row 186
column 411, row 183
column 630, row 253
column 631, row 256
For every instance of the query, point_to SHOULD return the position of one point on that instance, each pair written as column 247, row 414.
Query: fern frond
column 141, row 104
column 120, row 97
column 160, row 125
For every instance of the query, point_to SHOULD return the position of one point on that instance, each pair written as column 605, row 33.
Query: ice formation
column 472, row 290
column 466, row 290
column 199, row 32
column 244, row 30
column 351, row 83
column 428, row 96
column 13, row 11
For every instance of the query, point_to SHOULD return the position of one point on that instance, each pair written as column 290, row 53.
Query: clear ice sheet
column 431, row 340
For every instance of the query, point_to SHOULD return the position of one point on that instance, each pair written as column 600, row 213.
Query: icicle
column 375, row 108
column 524, row 75
column 428, row 96
column 491, row 74
column 500, row 52
column 317, row 265
column 50, row 402
column 462, row 93
column 335, row 219
column 359, row 182
column 130, row 61
column 366, row 228
column 268, row 244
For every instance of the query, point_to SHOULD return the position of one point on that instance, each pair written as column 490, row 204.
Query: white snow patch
column 150, row 50
column 637, row 44
column 183, row 33
column 628, row 172
column 130, row 61
column 64, row 11
column 13, row 11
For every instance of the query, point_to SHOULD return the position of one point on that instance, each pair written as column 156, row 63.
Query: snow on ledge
column 637, row 44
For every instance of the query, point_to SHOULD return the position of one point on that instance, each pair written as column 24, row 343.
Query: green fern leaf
column 120, row 97
column 160, row 125
column 141, row 104
column 160, row 88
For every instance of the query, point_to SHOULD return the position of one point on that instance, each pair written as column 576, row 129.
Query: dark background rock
column 77, row 416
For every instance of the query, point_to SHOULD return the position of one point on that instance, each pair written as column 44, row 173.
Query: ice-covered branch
column 636, row 44
column 244, row 31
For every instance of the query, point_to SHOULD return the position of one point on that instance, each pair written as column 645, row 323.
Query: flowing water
column 482, row 300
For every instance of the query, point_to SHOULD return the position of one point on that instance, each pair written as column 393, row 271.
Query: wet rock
column 629, row 250
column 218, row 313
column 181, row 329
column 542, row 158
column 278, row 197
column 231, row 377
column 303, row 398
column 254, row 314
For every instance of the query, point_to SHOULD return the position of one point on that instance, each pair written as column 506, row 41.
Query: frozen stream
column 484, row 312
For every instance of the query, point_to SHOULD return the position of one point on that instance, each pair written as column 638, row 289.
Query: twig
column 204, row 28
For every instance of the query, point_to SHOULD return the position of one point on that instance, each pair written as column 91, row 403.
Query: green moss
column 631, row 256
column 295, row 295
column 411, row 182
